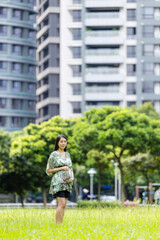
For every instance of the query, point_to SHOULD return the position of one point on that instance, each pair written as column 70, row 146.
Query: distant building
column 17, row 64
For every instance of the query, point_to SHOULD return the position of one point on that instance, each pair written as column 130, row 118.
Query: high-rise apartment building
column 109, row 55
column 17, row 64
column 48, row 21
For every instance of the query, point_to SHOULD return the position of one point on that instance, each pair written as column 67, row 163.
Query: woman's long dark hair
column 57, row 141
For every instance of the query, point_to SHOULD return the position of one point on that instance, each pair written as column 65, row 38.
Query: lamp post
column 115, row 180
column 91, row 172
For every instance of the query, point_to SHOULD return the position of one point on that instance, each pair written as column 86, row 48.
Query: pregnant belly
column 65, row 175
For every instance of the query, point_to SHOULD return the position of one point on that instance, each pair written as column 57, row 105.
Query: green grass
column 139, row 223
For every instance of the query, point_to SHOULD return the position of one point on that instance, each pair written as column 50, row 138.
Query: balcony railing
column 102, row 33
column 102, row 71
column 102, row 15
column 102, row 89
column 102, row 52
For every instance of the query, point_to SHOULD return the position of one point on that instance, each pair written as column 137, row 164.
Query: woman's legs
column 60, row 209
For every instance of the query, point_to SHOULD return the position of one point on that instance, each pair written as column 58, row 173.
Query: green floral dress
column 58, row 182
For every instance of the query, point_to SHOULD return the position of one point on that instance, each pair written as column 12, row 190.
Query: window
column 131, row 1
column 16, row 86
column 16, row 50
column 3, row 84
column 131, row 103
column 131, row 88
column 3, row 47
column 131, row 69
column 32, row 35
column 148, row 50
column 131, row 51
column 76, row 87
column 31, row 120
column 147, row 12
column 16, row 122
column 31, row 70
column 2, row 121
column 76, row 51
column 3, row 12
column 77, row 1
column 76, row 106
column 17, row 14
column 3, row 66
column 3, row 102
column 45, row 111
column 31, row 105
column 31, row 17
column 148, row 87
column 3, row 30
column 45, row 80
column 45, row 95
column 45, row 51
column 131, row 14
column 16, row 68
column 148, row 68
column 17, row 32
column 148, row 31
column 16, row 104
column 45, row 65
column 31, row 2
column 31, row 52
column 76, row 15
column 76, row 33
column 76, row 71
column 131, row 32
column 31, row 87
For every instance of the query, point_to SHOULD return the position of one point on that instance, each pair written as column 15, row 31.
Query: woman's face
column 62, row 143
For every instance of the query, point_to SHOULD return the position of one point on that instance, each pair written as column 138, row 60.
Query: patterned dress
column 58, row 182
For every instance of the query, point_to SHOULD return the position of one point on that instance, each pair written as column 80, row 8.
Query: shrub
column 96, row 204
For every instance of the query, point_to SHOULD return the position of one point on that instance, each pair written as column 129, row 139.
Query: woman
column 59, row 166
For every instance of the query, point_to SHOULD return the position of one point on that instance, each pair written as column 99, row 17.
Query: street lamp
column 91, row 172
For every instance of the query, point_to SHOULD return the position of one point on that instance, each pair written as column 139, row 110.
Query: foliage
column 97, row 204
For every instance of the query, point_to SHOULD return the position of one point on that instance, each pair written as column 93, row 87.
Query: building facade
column 17, row 64
column 48, row 24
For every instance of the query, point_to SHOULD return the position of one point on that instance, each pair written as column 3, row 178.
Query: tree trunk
column 22, row 200
column 44, row 196
column 76, row 188
column 122, row 181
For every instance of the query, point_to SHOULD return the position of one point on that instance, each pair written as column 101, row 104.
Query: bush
column 96, row 204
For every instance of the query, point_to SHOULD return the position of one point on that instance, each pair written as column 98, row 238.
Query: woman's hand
column 69, row 180
column 65, row 168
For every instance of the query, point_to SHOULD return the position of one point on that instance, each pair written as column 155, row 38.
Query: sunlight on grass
column 118, row 223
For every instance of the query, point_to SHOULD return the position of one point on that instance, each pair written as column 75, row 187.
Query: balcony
column 102, row 96
column 102, row 37
column 103, row 56
column 104, row 3
column 103, row 19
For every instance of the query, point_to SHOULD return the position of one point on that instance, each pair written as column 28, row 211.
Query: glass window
column 31, row 105
column 45, row 65
column 148, row 68
column 3, row 84
column 131, row 88
column 131, row 32
column 45, row 51
column 31, row 70
column 17, row 14
column 147, row 31
column 16, row 68
column 131, row 1
column 45, row 111
column 76, row 107
column 130, row 103
column 76, row 71
column 31, row 87
column 16, row 86
column 3, row 121
column 148, row 87
column 31, row 52
column 3, row 12
column 148, row 50
column 131, row 69
column 3, row 66
column 77, row 1
column 31, row 1
column 76, row 33
column 16, row 50
column 3, row 30
column 16, row 104
column 17, row 32
column 3, row 102
column 131, row 14
column 16, row 122
column 76, row 51
column 131, row 51
column 31, row 17
column 45, row 95
column 76, row 87
column 45, row 80
column 76, row 15
column 32, row 35
column 3, row 47
column 147, row 12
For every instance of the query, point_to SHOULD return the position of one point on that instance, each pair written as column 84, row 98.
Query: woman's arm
column 54, row 170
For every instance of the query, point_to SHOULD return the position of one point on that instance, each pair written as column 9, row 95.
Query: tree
column 5, row 143
column 125, row 134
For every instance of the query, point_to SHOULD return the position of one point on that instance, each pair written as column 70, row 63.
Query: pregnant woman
column 59, row 167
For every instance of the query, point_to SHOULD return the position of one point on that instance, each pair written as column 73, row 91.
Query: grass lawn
column 139, row 223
